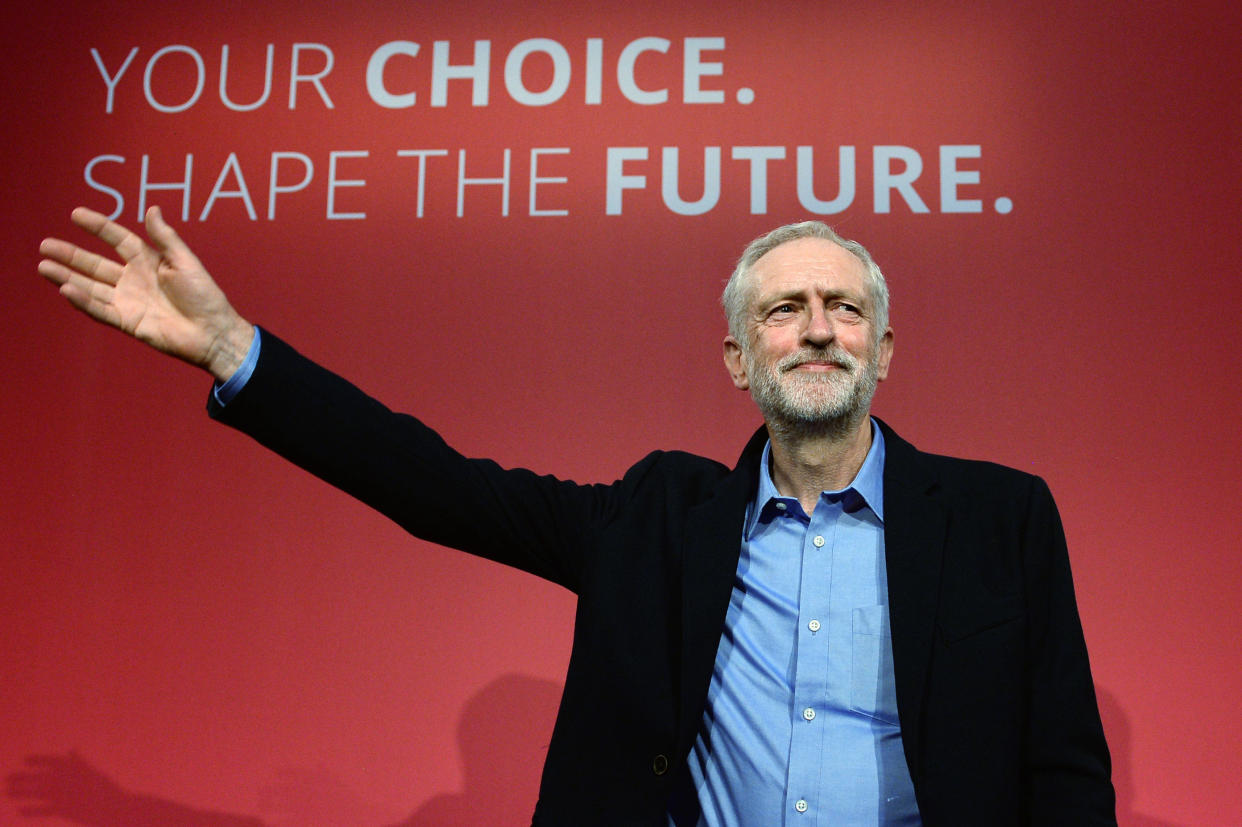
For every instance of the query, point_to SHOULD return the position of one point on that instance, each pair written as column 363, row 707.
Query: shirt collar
column 867, row 486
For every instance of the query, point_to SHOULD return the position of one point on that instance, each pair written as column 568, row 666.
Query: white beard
column 809, row 400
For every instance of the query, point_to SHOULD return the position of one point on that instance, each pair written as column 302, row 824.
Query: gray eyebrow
column 860, row 300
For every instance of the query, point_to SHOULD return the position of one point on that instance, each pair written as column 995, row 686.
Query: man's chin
column 818, row 397
column 818, row 409
column 803, row 415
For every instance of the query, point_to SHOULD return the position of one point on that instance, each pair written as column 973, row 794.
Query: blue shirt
column 800, row 726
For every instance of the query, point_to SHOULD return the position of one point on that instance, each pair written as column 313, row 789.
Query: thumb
column 166, row 240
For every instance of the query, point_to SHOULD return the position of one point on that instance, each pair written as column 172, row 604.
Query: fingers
column 127, row 245
column 86, row 292
column 93, row 299
column 47, row 760
column 63, row 259
column 40, row 785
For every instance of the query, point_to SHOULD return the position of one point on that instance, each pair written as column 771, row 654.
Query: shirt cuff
column 224, row 392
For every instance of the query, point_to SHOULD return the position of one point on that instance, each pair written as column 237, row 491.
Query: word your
column 310, row 64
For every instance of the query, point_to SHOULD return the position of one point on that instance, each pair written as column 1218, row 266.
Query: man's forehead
column 809, row 263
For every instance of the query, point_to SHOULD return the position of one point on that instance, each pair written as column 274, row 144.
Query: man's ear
column 735, row 363
column 886, row 354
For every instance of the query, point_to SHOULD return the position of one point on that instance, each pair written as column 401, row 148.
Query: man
column 840, row 630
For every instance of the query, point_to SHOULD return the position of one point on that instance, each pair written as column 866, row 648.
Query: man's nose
column 818, row 330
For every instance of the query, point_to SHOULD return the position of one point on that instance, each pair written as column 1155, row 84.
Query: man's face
column 812, row 354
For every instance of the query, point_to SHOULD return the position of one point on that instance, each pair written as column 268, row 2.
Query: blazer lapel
column 712, row 545
column 914, row 536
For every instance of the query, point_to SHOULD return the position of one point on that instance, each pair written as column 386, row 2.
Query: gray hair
column 737, row 291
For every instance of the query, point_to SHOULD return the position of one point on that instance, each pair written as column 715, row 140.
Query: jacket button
column 659, row 764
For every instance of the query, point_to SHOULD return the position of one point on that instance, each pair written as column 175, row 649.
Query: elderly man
column 839, row 630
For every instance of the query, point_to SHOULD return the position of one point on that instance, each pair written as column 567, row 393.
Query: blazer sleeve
column 402, row 468
column 1068, row 761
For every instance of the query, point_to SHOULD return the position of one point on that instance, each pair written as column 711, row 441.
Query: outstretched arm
column 159, row 293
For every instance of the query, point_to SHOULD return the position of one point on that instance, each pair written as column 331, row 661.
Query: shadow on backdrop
column 1117, row 727
column 502, row 736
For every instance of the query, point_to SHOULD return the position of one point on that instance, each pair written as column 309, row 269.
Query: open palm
column 161, row 294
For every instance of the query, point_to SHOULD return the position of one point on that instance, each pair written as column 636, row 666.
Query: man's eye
column 783, row 308
column 846, row 307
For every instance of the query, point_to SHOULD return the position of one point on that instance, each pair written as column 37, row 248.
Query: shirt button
column 813, row 625
column 781, row 506
column 800, row 805
column 819, row 541
column 659, row 764
column 809, row 714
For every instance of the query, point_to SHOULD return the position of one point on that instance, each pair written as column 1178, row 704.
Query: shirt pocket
column 872, row 691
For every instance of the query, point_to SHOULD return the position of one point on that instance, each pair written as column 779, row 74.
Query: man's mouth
column 817, row 366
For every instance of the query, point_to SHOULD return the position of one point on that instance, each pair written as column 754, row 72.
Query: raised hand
column 160, row 294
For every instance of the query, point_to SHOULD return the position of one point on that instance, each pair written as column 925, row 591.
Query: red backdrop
column 1051, row 189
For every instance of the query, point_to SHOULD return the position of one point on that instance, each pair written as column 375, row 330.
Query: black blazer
column 994, row 693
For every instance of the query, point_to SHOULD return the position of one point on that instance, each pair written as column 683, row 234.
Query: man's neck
column 807, row 462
